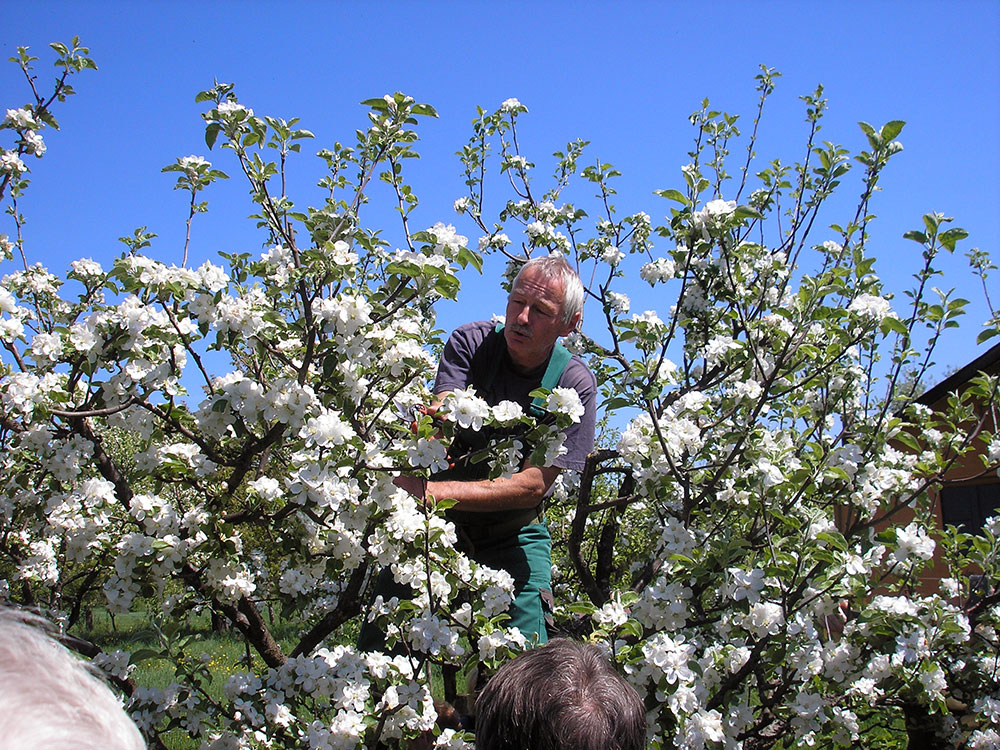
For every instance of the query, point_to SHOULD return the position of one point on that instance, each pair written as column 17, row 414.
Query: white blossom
column 565, row 401
column 11, row 163
column 517, row 161
column 659, row 270
column 20, row 119
column 612, row 614
column 193, row 164
column 701, row 728
column 489, row 644
column 509, row 106
column 448, row 241
column 765, row 618
column 934, row 680
column 507, row 412
column 327, row 429
column 34, row 143
column 871, row 307
column 913, row 542
column 670, row 657
column 466, row 408
column 745, row 584
column 427, row 453
column 612, row 255
column 984, row 739
column 231, row 110
column 115, row 664
column 498, row 241
column 713, row 215
column 617, row 303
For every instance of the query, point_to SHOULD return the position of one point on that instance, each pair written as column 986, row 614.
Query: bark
column 348, row 605
column 245, row 616
column 587, row 580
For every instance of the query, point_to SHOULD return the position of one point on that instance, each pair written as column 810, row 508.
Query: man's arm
column 524, row 490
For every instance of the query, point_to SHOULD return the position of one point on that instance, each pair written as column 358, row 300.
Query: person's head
column 50, row 698
column 545, row 302
column 565, row 695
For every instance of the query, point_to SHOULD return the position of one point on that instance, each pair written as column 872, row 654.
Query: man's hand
column 420, row 410
column 416, row 486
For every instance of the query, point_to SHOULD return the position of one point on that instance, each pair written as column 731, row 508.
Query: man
column 49, row 698
column 564, row 696
column 500, row 521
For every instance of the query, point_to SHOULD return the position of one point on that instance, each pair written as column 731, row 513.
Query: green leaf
column 46, row 117
column 951, row 236
column 834, row 540
column 143, row 654
column 447, row 287
column 916, row 236
column 874, row 139
column 891, row 129
column 673, row 195
column 329, row 367
column 987, row 334
column 616, row 402
column 888, row 536
column 744, row 212
column 403, row 268
column 890, row 323
column 908, row 440
column 445, row 503
column 211, row 133
column 469, row 257
column 424, row 109
column 631, row 628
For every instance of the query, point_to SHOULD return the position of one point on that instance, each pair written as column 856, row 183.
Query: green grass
column 224, row 654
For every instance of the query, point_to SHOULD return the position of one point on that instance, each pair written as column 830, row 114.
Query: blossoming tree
column 733, row 546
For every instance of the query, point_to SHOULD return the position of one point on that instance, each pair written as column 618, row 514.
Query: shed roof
column 987, row 362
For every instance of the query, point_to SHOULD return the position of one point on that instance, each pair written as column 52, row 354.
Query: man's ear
column 571, row 326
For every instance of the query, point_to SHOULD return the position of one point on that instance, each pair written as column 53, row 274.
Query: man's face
column 534, row 319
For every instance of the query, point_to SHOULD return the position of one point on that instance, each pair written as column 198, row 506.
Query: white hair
column 556, row 267
column 52, row 699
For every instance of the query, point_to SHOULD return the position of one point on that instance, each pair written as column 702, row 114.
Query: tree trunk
column 924, row 730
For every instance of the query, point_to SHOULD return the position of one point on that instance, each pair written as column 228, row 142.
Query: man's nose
column 522, row 315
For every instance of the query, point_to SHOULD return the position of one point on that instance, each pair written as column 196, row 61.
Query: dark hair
column 563, row 696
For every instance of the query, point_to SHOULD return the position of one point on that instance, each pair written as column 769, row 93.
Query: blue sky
column 624, row 76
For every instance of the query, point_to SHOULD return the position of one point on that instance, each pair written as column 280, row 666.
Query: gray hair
column 565, row 695
column 556, row 267
column 50, row 698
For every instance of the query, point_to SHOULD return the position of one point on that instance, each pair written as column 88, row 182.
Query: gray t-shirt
column 476, row 355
